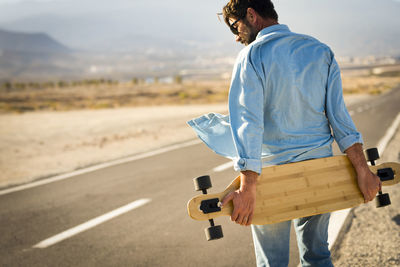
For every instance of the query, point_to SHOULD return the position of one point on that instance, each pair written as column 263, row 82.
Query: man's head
column 246, row 18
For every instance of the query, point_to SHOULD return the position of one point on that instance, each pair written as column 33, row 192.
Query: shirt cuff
column 348, row 141
column 242, row 164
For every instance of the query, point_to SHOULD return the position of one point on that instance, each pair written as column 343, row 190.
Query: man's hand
column 368, row 182
column 243, row 199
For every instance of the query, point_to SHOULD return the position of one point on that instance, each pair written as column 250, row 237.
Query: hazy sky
column 349, row 26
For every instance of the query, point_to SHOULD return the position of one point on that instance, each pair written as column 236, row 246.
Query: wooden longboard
column 296, row 190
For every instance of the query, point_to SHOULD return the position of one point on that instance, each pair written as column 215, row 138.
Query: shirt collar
column 273, row 29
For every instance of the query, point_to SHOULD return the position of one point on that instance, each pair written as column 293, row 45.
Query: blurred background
column 45, row 40
column 86, row 82
column 52, row 44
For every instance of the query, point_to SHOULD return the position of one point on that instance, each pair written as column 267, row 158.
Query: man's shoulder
column 288, row 42
column 281, row 42
column 309, row 39
column 291, row 38
column 243, row 54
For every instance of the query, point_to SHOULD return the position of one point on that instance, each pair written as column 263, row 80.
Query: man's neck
column 266, row 23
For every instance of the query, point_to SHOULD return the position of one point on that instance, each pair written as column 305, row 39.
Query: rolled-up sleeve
column 246, row 98
column 344, row 130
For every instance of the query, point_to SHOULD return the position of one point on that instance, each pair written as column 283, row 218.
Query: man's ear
column 251, row 15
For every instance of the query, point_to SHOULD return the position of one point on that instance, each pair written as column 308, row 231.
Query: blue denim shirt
column 285, row 104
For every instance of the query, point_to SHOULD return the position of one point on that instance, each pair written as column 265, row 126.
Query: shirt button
column 241, row 162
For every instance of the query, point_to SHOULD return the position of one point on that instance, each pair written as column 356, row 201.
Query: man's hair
column 238, row 9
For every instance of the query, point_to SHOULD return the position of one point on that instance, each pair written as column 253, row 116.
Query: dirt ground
column 44, row 143
column 40, row 144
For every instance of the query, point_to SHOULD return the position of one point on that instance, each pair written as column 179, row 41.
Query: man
column 284, row 99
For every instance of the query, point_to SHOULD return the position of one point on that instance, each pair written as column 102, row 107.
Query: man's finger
column 249, row 219
column 370, row 196
column 246, row 219
column 227, row 198
column 239, row 219
column 367, row 197
column 234, row 215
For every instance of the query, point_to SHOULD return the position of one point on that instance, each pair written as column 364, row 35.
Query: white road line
column 223, row 167
column 389, row 134
column 92, row 223
column 336, row 223
column 98, row 167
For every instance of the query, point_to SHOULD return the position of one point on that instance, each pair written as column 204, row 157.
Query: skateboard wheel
column 382, row 200
column 372, row 154
column 202, row 183
column 214, row 232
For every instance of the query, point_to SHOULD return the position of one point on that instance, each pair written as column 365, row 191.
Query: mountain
column 95, row 24
column 30, row 43
column 38, row 56
column 32, row 55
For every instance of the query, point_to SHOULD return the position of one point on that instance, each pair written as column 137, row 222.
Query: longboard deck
column 298, row 190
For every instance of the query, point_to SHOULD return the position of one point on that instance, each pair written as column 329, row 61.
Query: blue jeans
column 271, row 242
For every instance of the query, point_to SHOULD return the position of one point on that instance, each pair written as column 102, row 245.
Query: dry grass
column 372, row 85
column 111, row 96
column 129, row 95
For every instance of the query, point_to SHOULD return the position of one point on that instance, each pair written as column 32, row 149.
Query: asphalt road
column 158, row 233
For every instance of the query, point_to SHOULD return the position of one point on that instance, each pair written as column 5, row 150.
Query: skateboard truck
column 210, row 205
column 203, row 183
column 385, row 174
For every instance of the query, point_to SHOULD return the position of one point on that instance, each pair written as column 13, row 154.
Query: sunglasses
column 233, row 27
